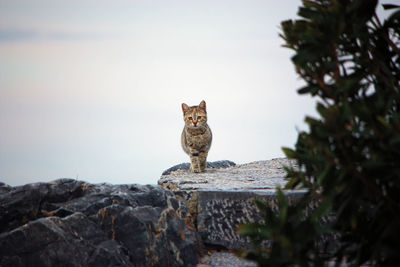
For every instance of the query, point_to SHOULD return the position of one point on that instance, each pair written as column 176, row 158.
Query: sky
column 92, row 90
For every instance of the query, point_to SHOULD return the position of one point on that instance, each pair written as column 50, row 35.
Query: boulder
column 258, row 175
column 221, row 199
column 73, row 223
column 210, row 165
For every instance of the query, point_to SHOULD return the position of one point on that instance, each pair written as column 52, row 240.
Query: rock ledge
column 220, row 199
column 259, row 175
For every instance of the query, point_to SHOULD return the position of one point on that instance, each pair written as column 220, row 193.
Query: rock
column 73, row 223
column 211, row 165
column 219, row 200
column 229, row 259
column 224, row 259
column 4, row 188
column 259, row 175
column 219, row 214
column 74, row 241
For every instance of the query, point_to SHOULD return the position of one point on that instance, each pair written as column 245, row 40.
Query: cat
column 196, row 136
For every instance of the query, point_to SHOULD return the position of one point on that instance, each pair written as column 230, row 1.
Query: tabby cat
column 196, row 136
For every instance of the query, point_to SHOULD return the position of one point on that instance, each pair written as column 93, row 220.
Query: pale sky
column 93, row 89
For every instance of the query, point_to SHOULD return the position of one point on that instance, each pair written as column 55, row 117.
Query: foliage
column 350, row 157
column 291, row 231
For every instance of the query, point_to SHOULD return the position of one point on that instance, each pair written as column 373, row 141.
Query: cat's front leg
column 195, row 162
column 203, row 160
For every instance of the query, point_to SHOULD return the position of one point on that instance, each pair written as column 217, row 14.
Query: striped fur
column 196, row 135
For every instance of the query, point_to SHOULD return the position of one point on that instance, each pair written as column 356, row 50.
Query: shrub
column 350, row 156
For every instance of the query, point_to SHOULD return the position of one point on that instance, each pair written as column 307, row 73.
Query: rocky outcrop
column 221, row 199
column 73, row 223
column 259, row 175
column 210, row 165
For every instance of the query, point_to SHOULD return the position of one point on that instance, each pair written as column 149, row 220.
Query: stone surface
column 219, row 200
column 259, row 175
column 210, row 165
column 219, row 259
column 224, row 259
column 220, row 213
column 72, row 223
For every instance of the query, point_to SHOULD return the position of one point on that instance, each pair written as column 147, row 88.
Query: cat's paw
column 203, row 166
column 195, row 169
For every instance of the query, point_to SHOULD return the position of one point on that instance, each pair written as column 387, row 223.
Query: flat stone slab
column 210, row 165
column 258, row 175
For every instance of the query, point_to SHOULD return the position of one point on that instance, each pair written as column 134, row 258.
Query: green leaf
column 389, row 6
column 290, row 153
column 309, row 89
column 323, row 209
column 283, row 205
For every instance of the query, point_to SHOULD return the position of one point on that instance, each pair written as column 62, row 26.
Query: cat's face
column 195, row 116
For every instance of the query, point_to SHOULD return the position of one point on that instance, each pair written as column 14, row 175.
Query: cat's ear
column 202, row 105
column 185, row 108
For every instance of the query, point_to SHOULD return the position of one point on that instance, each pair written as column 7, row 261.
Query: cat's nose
column 195, row 123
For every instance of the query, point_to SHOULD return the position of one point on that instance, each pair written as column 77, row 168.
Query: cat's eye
column 199, row 117
column 190, row 118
